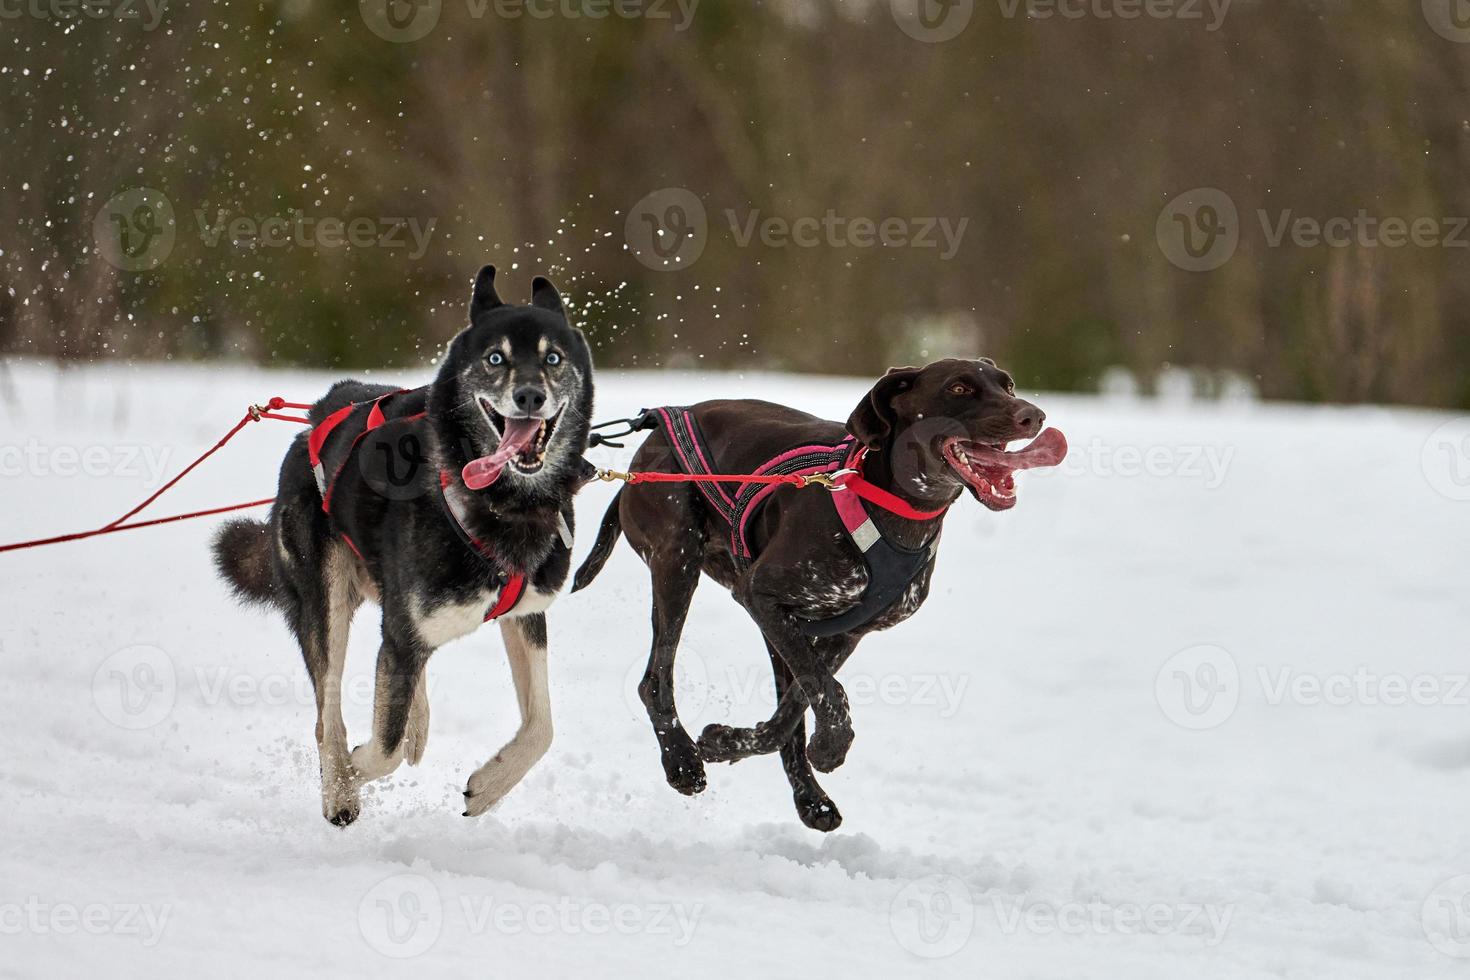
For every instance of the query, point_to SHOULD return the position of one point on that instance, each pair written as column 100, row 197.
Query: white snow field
column 1197, row 707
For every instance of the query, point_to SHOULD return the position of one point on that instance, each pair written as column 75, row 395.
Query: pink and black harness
column 891, row 568
column 332, row 443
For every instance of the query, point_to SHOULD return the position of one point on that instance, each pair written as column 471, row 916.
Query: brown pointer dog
column 929, row 433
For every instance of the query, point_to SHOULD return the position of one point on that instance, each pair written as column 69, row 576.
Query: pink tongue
column 1047, row 449
column 519, row 433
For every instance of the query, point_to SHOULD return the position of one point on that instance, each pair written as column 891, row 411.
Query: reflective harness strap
column 317, row 440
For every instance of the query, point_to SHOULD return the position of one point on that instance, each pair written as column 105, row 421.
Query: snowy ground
column 1197, row 707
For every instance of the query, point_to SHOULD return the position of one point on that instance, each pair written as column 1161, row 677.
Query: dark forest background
column 528, row 140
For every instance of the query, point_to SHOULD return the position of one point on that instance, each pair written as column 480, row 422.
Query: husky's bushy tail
column 607, row 536
column 242, row 553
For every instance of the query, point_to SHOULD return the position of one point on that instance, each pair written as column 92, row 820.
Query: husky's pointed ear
column 544, row 295
column 484, row 297
column 871, row 423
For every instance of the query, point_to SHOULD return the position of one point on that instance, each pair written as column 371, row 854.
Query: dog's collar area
column 851, row 478
column 513, row 584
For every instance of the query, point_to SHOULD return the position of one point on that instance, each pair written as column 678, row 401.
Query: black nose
column 1028, row 418
column 529, row 398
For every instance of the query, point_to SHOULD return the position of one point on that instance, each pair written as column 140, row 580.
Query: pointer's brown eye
column 959, row 388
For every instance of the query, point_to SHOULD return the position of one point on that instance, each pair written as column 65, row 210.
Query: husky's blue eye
column 553, row 358
column 496, row 358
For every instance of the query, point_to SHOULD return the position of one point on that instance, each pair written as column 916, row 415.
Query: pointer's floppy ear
column 484, row 298
column 871, row 423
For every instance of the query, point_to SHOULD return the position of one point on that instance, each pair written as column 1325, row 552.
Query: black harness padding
column 891, row 572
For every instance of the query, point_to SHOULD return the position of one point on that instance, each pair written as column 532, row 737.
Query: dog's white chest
column 451, row 620
column 440, row 624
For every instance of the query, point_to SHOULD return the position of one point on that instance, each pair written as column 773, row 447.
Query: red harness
column 513, row 586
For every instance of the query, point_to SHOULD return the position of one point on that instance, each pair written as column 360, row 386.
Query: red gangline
column 254, row 414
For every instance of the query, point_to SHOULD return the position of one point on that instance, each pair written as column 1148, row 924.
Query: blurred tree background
column 527, row 140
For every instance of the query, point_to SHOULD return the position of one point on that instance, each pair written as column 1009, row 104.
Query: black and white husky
column 376, row 504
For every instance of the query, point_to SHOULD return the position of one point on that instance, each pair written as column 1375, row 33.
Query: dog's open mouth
column 523, row 443
column 989, row 471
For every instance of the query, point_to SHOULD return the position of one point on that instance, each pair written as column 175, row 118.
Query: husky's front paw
column 340, row 801
column 489, row 783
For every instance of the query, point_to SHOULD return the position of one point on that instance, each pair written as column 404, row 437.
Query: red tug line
column 271, row 410
column 254, row 414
